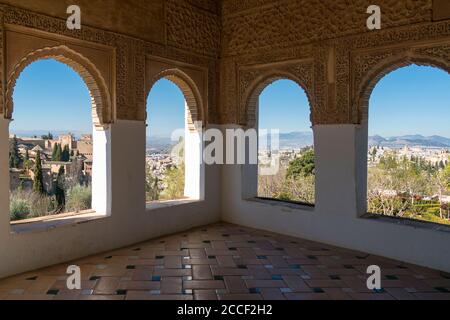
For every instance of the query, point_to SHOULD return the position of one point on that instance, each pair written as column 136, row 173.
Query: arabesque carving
column 101, row 98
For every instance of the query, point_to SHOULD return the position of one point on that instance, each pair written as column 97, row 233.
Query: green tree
column 48, row 136
column 174, row 181
column 65, row 155
column 15, row 159
column 26, row 162
column 54, row 152
column 152, row 187
column 447, row 175
column 38, row 184
column 58, row 153
column 60, row 193
column 302, row 166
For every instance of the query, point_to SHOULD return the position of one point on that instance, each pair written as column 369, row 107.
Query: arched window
column 287, row 174
column 173, row 143
column 409, row 145
column 51, row 142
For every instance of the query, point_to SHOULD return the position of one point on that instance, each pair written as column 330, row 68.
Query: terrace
column 221, row 240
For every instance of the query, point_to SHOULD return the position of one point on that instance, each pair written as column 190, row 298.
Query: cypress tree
column 59, row 189
column 15, row 159
column 65, row 156
column 55, row 149
column 26, row 162
column 38, row 184
column 58, row 153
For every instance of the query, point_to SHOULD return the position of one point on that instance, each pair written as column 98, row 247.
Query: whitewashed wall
column 130, row 222
column 340, row 165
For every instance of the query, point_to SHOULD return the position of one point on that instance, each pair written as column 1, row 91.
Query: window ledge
column 169, row 203
column 52, row 222
column 297, row 206
column 416, row 224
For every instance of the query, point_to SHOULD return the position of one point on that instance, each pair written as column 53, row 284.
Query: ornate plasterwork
column 189, row 28
column 101, row 99
column 373, row 55
column 256, row 25
column 180, row 76
column 331, row 35
column 129, row 66
column 370, row 67
column 2, row 63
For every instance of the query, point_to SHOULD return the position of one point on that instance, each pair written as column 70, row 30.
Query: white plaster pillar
column 101, row 171
column 194, row 187
column 335, row 149
column 4, row 178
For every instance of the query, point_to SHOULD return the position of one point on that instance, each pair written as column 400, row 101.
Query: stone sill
column 170, row 203
column 48, row 223
column 416, row 224
column 297, row 206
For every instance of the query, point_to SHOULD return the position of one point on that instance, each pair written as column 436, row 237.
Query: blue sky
column 414, row 99
column 50, row 96
column 165, row 109
column 284, row 106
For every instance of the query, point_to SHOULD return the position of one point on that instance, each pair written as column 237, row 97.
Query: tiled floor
column 224, row 261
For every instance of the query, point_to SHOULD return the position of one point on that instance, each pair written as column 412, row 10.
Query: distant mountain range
column 40, row 133
column 410, row 140
column 293, row 140
column 159, row 143
column 298, row 140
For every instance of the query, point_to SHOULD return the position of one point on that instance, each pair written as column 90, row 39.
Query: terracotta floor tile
column 371, row 296
column 203, row 284
column 172, row 262
column 272, row 294
column 325, row 283
column 202, row 272
column 142, row 275
column 171, row 285
column 296, row 283
column 265, row 284
column 102, row 297
column 432, row 296
column 172, row 272
column 229, row 271
column 400, row 294
column 235, row 284
column 206, row 295
column 306, row 296
column 107, row 286
column 337, row 294
column 224, row 261
column 139, row 285
column 236, row 297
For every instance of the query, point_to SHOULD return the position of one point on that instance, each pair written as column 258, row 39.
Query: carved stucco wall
column 347, row 59
column 242, row 43
column 182, row 31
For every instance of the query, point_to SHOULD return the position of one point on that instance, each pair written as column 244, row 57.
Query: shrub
column 79, row 198
column 26, row 204
column 42, row 205
column 19, row 208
